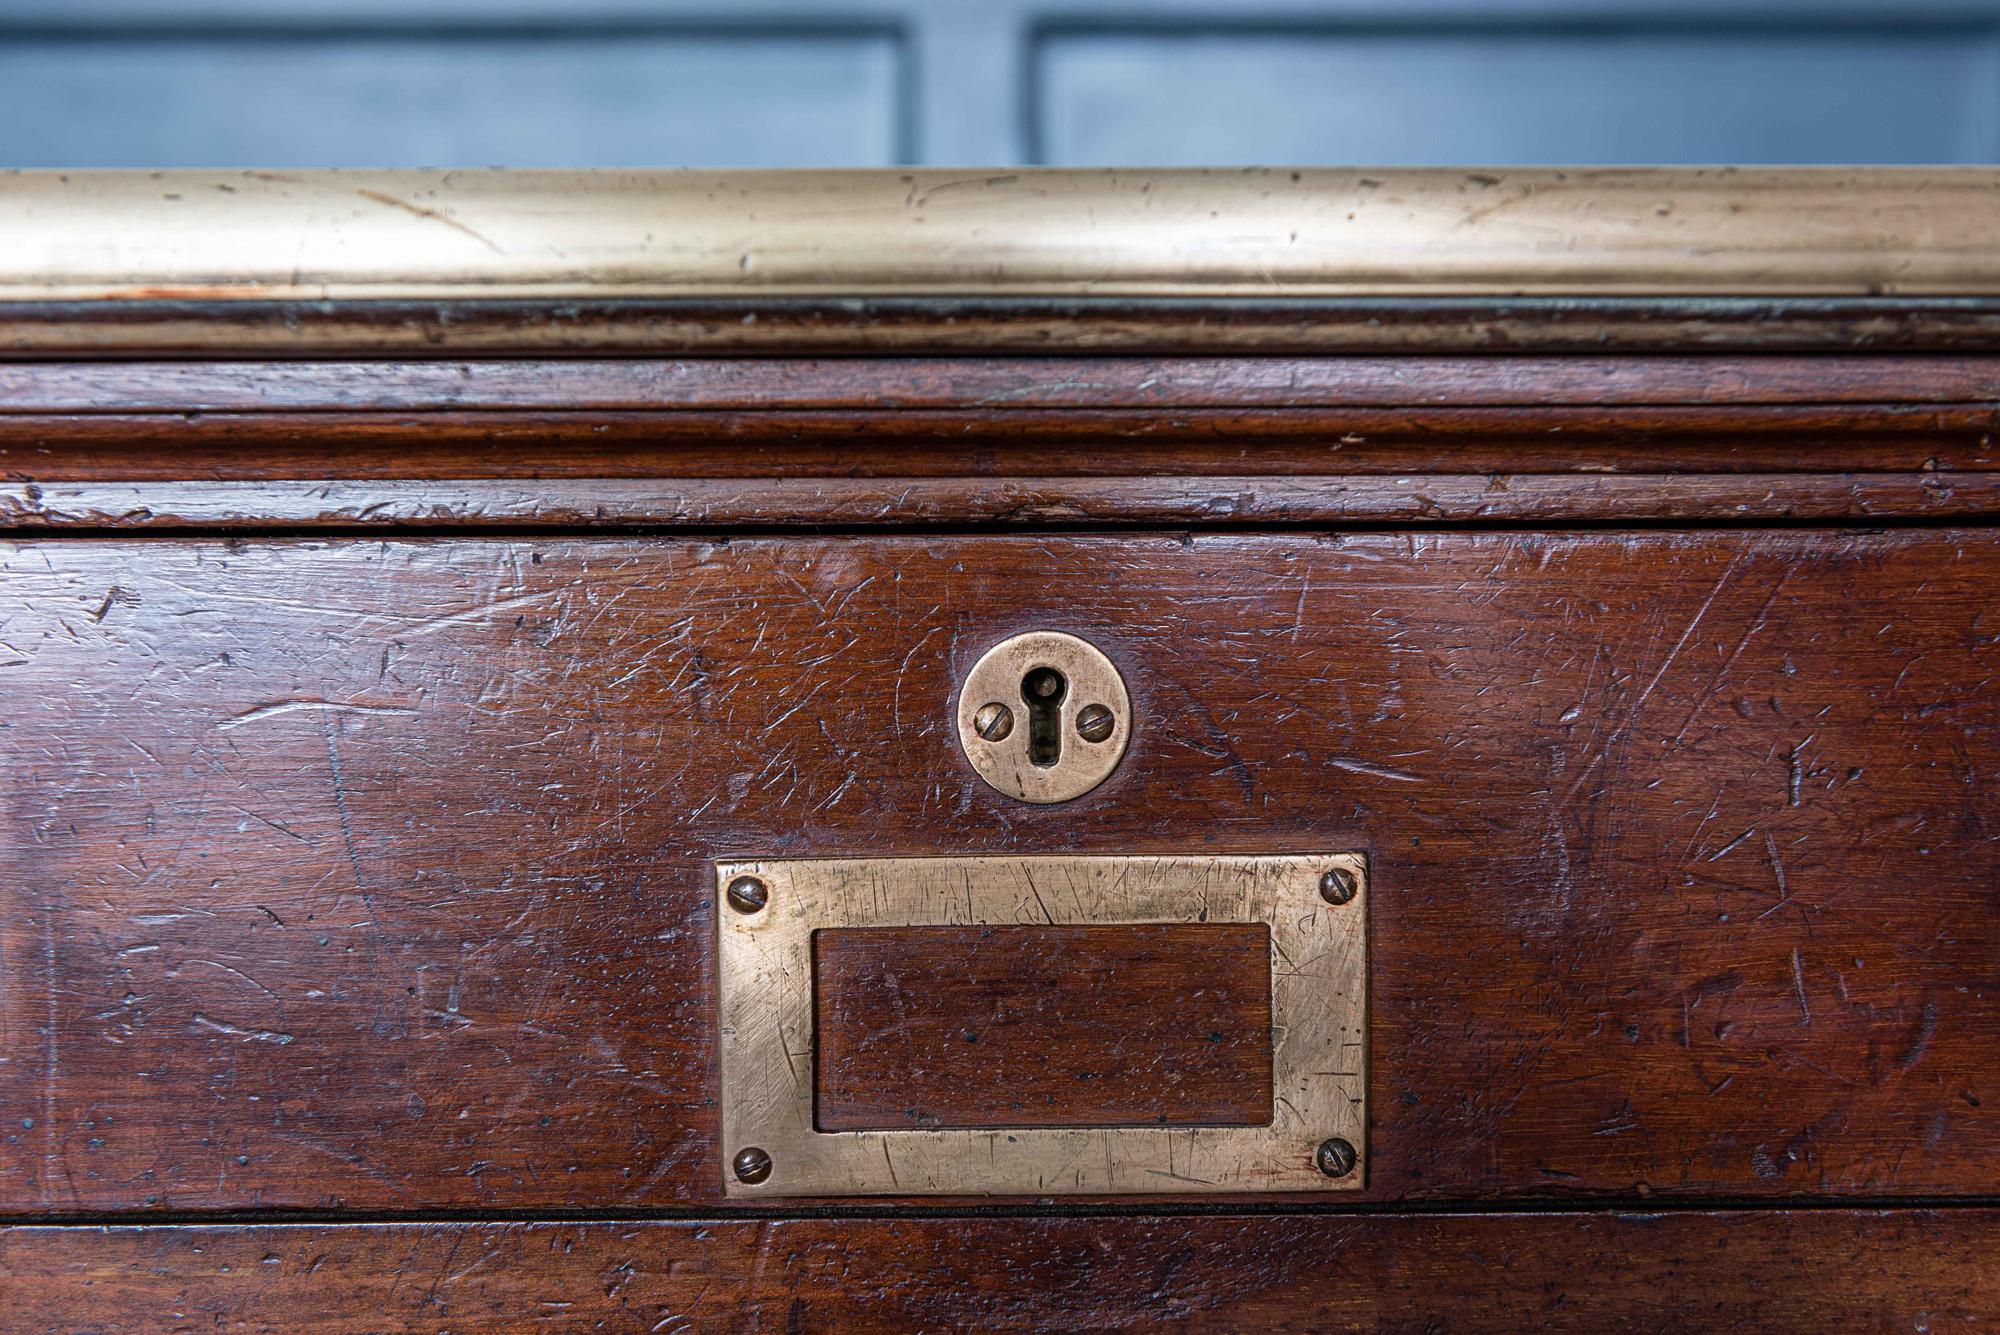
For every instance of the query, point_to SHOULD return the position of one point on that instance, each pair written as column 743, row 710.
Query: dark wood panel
column 720, row 503
column 1001, row 442
column 1810, row 1272
column 1042, row 1026
column 930, row 325
column 972, row 384
column 374, row 874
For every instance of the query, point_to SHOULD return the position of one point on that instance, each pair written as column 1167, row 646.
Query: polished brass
column 1269, row 233
column 1318, row 1012
column 1076, row 710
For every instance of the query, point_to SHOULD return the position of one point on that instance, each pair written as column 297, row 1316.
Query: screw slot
column 747, row 894
column 1094, row 723
column 752, row 1165
column 993, row 721
column 1339, row 886
column 1335, row 1157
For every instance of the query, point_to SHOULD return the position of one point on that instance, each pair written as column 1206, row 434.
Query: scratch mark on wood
column 1375, row 771
column 1920, row 1042
column 1795, row 772
column 1799, row 986
column 282, row 707
column 201, row 1021
column 347, row 827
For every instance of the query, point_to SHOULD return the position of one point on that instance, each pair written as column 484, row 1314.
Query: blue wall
column 136, row 83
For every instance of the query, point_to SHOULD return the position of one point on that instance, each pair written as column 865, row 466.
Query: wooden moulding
column 1803, row 1271
column 997, row 326
column 759, row 504
column 970, row 386
column 886, row 442
column 290, row 263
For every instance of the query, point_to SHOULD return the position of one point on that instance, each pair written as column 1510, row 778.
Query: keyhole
column 1043, row 690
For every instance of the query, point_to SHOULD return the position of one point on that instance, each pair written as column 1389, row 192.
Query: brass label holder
column 1315, row 906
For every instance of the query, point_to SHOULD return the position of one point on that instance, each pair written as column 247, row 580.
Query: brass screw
column 753, row 1165
column 747, row 894
column 993, row 721
column 1094, row 723
column 1334, row 1157
column 1339, row 885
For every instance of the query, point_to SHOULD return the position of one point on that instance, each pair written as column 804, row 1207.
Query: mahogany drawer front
column 376, row 875
column 1500, row 1272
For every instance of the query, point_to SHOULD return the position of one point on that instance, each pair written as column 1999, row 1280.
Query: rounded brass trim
column 1271, row 233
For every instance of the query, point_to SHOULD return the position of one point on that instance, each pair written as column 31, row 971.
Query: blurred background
column 277, row 83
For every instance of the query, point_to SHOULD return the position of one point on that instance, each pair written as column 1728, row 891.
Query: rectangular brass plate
column 1319, row 959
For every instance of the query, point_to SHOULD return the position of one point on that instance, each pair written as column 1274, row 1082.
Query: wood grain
column 374, row 875
column 723, row 443
column 1804, row 1271
column 1000, row 442
column 971, row 384
column 1160, row 1024
column 767, row 503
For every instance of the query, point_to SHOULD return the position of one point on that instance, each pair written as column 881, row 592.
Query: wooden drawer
column 1681, row 1270
column 365, row 875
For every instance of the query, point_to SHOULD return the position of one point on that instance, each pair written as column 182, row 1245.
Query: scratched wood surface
column 966, row 385
column 189, row 445
column 373, row 875
column 732, row 504
column 1055, row 441
column 1806, row 1271
column 1162, row 1024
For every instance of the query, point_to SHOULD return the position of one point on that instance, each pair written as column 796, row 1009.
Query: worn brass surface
column 1087, row 744
column 1318, row 1009
column 1597, row 231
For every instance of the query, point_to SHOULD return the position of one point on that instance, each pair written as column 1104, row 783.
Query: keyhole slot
column 1042, row 690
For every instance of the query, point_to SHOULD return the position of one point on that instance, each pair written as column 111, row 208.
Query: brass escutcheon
column 1044, row 716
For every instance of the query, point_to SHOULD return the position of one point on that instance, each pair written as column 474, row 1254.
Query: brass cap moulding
column 1258, row 233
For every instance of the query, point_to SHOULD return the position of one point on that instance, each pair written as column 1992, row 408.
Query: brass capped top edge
column 1268, row 232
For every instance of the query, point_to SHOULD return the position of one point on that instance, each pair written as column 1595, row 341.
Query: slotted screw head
column 1094, row 723
column 747, row 894
column 751, row 1165
column 993, row 722
column 1334, row 1157
column 1339, row 886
